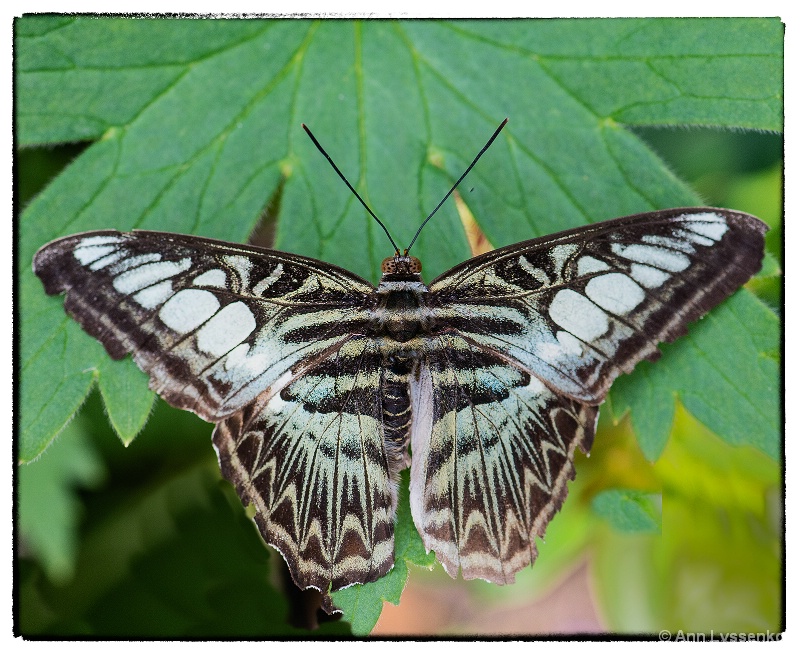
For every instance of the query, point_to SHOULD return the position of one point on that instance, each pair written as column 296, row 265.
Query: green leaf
column 627, row 510
column 196, row 129
column 49, row 511
column 362, row 604
column 727, row 377
column 126, row 395
column 111, row 74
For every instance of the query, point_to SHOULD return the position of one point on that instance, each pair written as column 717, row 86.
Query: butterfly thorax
column 401, row 312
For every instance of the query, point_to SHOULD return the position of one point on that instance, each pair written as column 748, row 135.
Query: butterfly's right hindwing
column 493, row 451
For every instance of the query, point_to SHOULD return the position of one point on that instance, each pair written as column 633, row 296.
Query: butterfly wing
column 311, row 458
column 266, row 345
column 213, row 324
column 532, row 336
column 492, row 453
column 580, row 307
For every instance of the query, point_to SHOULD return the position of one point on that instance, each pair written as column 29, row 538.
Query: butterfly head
column 401, row 264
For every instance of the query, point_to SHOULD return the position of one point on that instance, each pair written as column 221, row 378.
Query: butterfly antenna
column 350, row 186
column 474, row 161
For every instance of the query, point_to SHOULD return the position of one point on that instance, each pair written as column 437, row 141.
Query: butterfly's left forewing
column 214, row 324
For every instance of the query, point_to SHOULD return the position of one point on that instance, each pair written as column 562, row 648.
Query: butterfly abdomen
column 396, row 404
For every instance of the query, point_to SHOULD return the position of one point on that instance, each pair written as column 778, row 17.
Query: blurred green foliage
column 145, row 540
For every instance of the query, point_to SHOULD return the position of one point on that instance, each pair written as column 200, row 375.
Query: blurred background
column 126, row 541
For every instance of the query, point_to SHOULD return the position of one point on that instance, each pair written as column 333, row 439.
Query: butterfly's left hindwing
column 311, row 459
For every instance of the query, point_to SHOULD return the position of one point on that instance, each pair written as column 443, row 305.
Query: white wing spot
column 615, row 292
column 215, row 278
column 135, row 261
column 93, row 248
column 669, row 243
column 711, row 225
column 242, row 265
column 86, row 254
column 692, row 237
column 588, row 265
column 154, row 295
column 276, row 402
column 188, row 309
column 269, row 280
column 569, row 343
column 227, row 329
column 560, row 253
column 652, row 256
column 647, row 276
column 150, row 273
column 236, row 356
column 107, row 260
column 578, row 315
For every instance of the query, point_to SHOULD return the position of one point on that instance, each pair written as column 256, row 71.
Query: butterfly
column 319, row 383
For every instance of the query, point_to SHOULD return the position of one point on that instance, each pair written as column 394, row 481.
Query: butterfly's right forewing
column 581, row 307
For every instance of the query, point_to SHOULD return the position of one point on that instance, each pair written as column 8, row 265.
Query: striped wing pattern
column 231, row 333
column 539, row 330
column 318, row 381
column 493, row 450
column 311, row 459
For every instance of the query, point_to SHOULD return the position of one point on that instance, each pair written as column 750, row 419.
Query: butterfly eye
column 404, row 265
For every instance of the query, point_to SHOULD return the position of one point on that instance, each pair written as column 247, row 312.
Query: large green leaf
column 198, row 124
column 196, row 128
